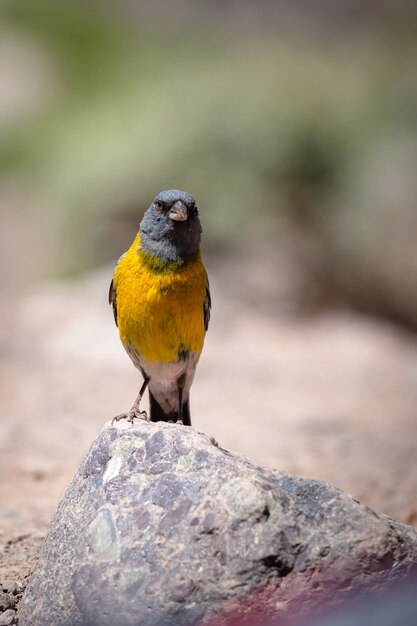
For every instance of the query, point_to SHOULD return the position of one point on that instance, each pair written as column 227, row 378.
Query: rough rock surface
column 162, row 526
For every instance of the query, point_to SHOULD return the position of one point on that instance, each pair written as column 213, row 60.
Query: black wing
column 112, row 300
column 112, row 293
column 207, row 305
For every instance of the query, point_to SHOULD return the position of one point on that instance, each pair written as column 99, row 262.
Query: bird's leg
column 135, row 410
column 180, row 383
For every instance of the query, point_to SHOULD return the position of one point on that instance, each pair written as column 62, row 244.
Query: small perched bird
column 161, row 302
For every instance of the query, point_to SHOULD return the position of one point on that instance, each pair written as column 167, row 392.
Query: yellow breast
column 159, row 306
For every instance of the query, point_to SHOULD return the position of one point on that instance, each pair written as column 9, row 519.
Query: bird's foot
column 131, row 415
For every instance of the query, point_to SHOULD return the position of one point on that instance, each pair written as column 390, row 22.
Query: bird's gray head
column 170, row 228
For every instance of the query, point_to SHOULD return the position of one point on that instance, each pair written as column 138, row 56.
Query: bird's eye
column 158, row 206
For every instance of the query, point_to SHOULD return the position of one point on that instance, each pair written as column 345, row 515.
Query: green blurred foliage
column 257, row 123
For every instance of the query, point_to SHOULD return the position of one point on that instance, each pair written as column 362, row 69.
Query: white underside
column 164, row 377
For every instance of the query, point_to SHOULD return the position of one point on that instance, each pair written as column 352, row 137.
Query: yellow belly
column 160, row 308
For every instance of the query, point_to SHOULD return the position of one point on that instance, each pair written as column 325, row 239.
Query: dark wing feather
column 112, row 300
column 112, row 293
column 207, row 305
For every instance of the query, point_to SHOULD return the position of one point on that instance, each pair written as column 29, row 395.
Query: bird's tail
column 157, row 413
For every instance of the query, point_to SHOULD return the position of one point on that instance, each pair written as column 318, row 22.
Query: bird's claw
column 130, row 416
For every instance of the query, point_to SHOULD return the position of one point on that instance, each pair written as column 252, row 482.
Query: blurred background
column 295, row 126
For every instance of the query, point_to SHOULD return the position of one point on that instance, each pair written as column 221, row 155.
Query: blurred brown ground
column 331, row 397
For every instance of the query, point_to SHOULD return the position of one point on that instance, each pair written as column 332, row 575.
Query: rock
column 7, row 608
column 6, row 601
column 10, row 586
column 162, row 526
column 8, row 617
column 10, row 594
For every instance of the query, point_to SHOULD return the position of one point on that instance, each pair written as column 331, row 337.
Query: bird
column 161, row 301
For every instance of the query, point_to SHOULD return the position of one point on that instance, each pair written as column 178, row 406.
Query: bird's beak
column 178, row 212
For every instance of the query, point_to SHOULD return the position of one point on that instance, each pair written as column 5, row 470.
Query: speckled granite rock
column 161, row 526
